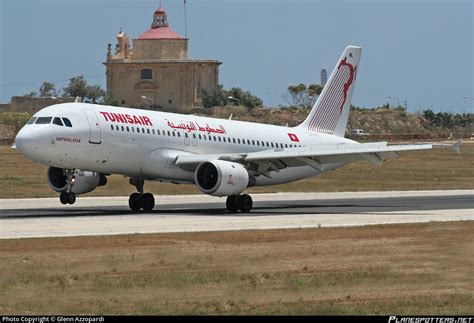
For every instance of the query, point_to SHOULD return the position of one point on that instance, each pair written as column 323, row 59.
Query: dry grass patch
column 403, row 269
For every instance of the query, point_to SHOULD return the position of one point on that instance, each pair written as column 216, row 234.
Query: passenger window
column 179, row 135
column 272, row 144
column 174, row 134
column 169, row 134
column 117, row 128
column 253, row 142
column 248, row 142
column 32, row 120
column 112, row 126
column 153, row 131
column 128, row 129
column 238, row 141
column 194, row 136
column 186, row 135
column 133, row 129
column 219, row 139
column 43, row 120
column 286, row 145
column 123, row 129
column 233, row 140
column 215, row 138
column 199, row 136
column 143, row 130
column 148, row 131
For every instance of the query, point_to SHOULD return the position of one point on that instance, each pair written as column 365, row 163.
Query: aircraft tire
column 245, row 203
column 63, row 197
column 231, row 203
column 147, row 201
column 134, row 202
column 71, row 198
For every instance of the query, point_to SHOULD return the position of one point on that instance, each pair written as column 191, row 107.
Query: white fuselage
column 144, row 144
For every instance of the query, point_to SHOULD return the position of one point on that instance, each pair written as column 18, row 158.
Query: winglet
column 456, row 146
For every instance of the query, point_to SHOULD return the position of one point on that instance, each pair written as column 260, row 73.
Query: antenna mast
column 185, row 24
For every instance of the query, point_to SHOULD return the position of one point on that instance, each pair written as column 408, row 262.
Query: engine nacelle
column 84, row 181
column 221, row 178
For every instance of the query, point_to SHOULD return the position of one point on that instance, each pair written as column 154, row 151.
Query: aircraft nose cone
column 24, row 140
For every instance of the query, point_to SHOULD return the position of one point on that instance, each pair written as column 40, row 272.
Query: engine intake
column 84, row 181
column 221, row 178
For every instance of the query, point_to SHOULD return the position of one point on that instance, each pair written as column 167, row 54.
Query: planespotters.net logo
column 396, row 319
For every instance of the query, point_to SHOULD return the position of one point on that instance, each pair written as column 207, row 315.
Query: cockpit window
column 67, row 122
column 43, row 120
column 32, row 120
column 58, row 121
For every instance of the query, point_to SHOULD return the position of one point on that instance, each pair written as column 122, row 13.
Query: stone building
column 156, row 71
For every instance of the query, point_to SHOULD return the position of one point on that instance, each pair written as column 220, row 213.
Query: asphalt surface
column 96, row 216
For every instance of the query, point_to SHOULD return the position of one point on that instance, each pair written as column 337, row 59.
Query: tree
column 218, row 97
column 109, row 100
column 215, row 97
column 47, row 89
column 244, row 98
column 77, row 87
column 303, row 96
column 94, row 92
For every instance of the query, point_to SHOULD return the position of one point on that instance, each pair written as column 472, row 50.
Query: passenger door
column 94, row 127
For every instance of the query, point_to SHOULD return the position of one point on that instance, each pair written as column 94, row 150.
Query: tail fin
column 331, row 111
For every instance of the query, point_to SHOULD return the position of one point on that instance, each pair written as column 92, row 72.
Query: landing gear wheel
column 244, row 202
column 63, row 197
column 67, row 198
column 231, row 203
column 71, row 199
column 134, row 202
column 147, row 201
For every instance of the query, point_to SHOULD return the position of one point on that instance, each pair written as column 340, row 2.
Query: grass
column 422, row 170
column 404, row 269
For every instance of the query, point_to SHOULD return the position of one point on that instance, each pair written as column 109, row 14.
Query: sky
column 418, row 51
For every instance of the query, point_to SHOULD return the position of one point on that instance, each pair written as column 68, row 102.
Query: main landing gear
column 140, row 200
column 239, row 202
column 69, row 197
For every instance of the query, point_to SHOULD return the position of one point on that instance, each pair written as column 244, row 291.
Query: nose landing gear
column 140, row 200
column 69, row 197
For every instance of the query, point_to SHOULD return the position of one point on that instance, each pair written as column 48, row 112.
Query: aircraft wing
column 316, row 157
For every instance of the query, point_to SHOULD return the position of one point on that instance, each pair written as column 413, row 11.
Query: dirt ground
column 390, row 269
column 418, row 170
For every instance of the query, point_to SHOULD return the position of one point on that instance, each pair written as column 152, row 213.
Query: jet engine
column 221, row 178
column 83, row 182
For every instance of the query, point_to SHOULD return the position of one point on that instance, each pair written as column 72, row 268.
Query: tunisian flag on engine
column 293, row 137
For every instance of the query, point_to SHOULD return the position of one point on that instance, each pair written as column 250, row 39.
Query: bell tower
column 160, row 19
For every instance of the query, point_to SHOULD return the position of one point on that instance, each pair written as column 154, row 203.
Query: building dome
column 159, row 28
column 160, row 11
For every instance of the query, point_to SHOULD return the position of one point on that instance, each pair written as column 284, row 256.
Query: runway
column 27, row 218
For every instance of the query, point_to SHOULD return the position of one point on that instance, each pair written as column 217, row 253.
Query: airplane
column 84, row 143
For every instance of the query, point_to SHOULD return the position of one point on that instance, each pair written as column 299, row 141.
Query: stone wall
column 32, row 104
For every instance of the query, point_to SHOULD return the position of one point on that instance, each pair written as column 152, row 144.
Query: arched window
column 146, row 74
